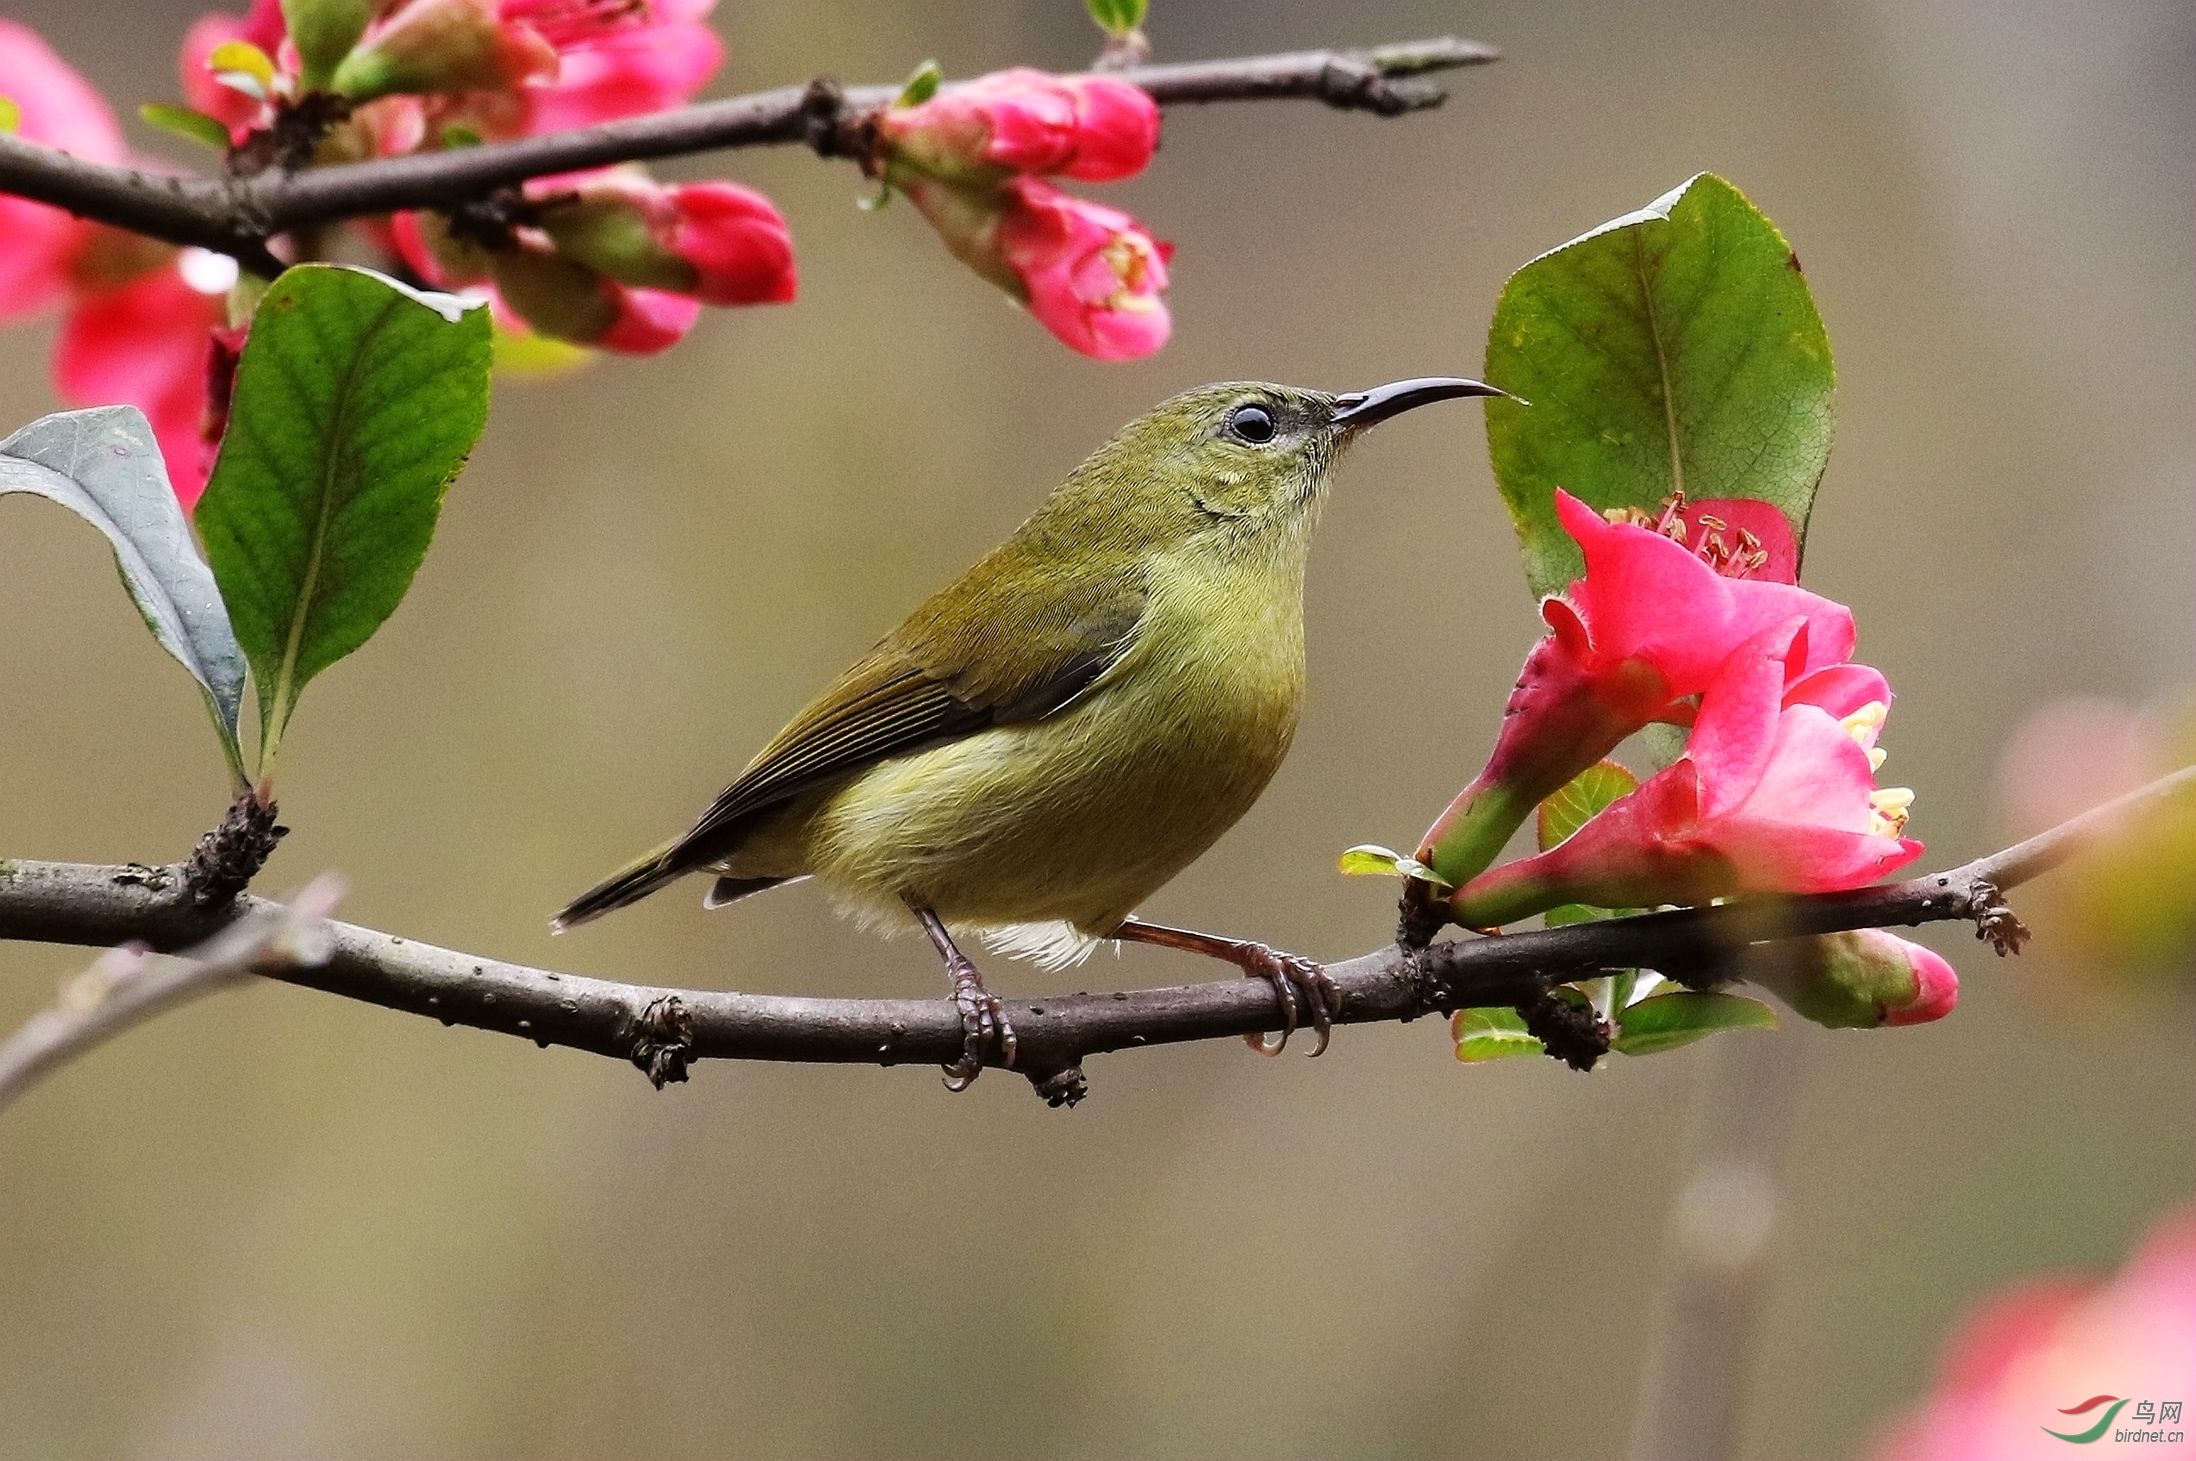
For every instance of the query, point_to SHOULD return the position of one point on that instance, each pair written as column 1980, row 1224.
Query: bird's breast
column 1082, row 815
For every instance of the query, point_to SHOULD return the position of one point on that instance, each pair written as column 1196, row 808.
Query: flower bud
column 1096, row 128
column 565, row 299
column 1091, row 274
column 724, row 244
column 324, row 31
column 445, row 47
column 1859, row 980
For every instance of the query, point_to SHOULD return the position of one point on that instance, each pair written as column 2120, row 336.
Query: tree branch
column 129, row 984
column 237, row 215
column 661, row 1029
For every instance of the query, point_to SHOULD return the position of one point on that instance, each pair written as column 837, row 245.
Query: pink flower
column 1862, row 979
column 1089, row 273
column 445, row 48
column 1095, row 128
column 1643, row 631
column 261, row 26
column 616, row 58
column 510, row 68
column 616, row 260
column 136, row 330
column 58, row 109
column 148, row 342
column 2049, row 1360
column 722, row 243
column 1776, row 792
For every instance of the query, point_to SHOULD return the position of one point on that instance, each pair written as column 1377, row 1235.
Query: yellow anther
column 1866, row 723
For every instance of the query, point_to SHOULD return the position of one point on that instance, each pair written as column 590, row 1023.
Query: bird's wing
column 996, row 650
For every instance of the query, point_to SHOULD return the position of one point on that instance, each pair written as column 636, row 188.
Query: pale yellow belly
column 1078, row 818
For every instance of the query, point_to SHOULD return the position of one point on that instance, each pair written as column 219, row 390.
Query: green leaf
column 1673, row 348
column 356, row 402
column 1370, row 859
column 185, row 122
column 1491, row 1034
column 1118, row 17
column 1588, row 792
column 103, row 465
column 1665, row 1021
column 922, row 85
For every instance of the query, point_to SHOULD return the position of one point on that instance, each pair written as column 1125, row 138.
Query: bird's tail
column 628, row 885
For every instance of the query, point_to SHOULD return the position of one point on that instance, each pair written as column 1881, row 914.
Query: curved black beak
column 1360, row 409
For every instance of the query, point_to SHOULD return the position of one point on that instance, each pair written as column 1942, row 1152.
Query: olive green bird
column 1047, row 741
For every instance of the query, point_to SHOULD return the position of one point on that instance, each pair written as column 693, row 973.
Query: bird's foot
column 984, row 1028
column 1307, row 995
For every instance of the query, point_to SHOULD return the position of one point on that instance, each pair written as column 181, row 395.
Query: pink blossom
column 2051, row 1358
column 445, row 48
column 1096, row 128
column 58, row 108
column 135, row 330
column 1644, row 630
column 1776, row 792
column 646, row 320
column 147, row 342
column 1861, row 979
column 722, row 243
column 566, row 300
column 261, row 26
column 616, row 58
column 1089, row 273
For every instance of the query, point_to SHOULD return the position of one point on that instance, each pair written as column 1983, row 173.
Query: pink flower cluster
column 138, row 318
column 974, row 158
column 608, row 259
column 1693, row 619
column 2054, row 1361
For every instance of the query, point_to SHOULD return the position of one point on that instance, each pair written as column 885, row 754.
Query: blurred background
column 278, row 1223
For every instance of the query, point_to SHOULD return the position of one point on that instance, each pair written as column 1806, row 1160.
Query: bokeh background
column 281, row 1224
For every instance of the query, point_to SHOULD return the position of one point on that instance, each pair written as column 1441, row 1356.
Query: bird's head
column 1241, row 456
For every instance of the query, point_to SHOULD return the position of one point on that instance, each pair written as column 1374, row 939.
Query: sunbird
column 1048, row 740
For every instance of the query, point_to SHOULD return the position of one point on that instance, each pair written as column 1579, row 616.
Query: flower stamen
column 1888, row 808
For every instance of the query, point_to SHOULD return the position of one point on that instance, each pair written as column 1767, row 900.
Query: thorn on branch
column 1995, row 923
column 663, row 1038
column 1573, row 1032
column 227, row 858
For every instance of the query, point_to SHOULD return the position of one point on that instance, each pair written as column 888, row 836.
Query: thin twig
column 237, row 215
column 662, row 1029
column 129, row 983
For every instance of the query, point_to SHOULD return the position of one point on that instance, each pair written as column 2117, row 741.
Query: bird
column 1048, row 740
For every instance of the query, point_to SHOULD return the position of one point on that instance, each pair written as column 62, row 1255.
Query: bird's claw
column 1307, row 996
column 984, row 1029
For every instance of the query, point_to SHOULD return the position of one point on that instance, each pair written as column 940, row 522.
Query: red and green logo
column 2095, row 1432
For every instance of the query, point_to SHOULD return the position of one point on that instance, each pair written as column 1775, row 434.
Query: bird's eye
column 1253, row 424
